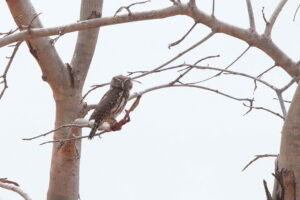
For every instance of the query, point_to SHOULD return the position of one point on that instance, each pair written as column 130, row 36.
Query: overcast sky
column 181, row 143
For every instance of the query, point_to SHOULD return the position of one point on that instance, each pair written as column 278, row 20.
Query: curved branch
column 15, row 189
column 273, row 18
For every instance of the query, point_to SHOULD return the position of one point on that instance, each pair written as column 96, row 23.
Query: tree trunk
column 66, row 83
column 288, row 166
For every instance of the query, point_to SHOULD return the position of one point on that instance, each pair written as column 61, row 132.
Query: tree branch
column 158, row 68
column 265, row 109
column 257, row 157
column 5, row 86
column 273, row 18
column 294, row 18
column 16, row 189
column 185, row 35
column 251, row 16
column 252, row 38
column 86, row 41
column 45, row 54
column 227, row 67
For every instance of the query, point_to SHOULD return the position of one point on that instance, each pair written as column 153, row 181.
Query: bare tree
column 67, row 80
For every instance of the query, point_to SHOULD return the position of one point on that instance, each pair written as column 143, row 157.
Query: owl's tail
column 93, row 131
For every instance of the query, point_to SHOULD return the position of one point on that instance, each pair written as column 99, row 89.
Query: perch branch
column 116, row 127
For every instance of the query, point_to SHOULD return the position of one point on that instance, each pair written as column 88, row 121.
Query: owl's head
column 122, row 82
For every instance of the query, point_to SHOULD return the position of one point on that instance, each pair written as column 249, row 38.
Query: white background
column 181, row 143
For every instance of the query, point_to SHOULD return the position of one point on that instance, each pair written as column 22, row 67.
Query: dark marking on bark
column 94, row 14
column 71, row 74
column 287, row 189
column 32, row 50
column 44, row 77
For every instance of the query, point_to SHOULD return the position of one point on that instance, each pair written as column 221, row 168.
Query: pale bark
column 64, row 178
column 290, row 142
column 45, row 54
column 248, row 35
column 64, row 173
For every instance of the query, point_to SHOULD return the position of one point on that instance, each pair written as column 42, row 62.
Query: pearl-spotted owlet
column 112, row 103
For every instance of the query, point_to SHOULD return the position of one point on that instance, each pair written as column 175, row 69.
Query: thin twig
column 261, row 74
column 4, row 76
column 158, row 68
column 128, row 7
column 213, row 9
column 190, row 86
column 265, row 109
column 181, row 39
column 62, row 141
column 228, row 66
column 94, row 87
column 251, row 16
column 264, row 16
column 286, row 101
column 190, row 68
column 259, row 157
column 61, row 127
column 294, row 18
column 178, row 56
column 233, row 73
column 16, row 189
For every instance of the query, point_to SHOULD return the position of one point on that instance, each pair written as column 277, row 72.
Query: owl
column 112, row 103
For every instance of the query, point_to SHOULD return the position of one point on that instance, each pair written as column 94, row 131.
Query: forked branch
column 273, row 18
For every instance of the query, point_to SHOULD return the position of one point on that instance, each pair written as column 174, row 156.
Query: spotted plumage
column 112, row 103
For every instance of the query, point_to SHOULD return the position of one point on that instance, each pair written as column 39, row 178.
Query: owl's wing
column 101, row 112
